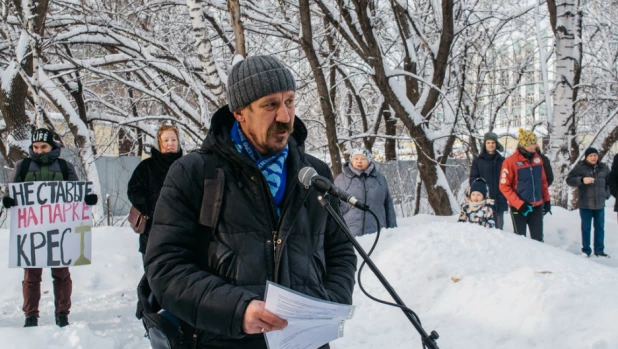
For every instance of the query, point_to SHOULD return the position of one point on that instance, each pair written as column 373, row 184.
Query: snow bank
column 479, row 288
column 104, row 299
column 482, row 288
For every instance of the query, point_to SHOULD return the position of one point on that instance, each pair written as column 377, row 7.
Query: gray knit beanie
column 256, row 77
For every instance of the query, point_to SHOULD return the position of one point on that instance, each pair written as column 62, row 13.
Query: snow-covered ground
column 478, row 288
column 103, row 302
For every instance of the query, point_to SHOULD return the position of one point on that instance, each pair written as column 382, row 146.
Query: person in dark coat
column 361, row 178
column 147, row 178
column 216, row 242
column 549, row 173
column 613, row 182
column 487, row 166
column 44, row 165
column 590, row 177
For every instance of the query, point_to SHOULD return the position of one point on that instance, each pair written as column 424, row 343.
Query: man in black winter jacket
column 590, row 177
column 215, row 242
column 487, row 166
column 549, row 173
column 613, row 181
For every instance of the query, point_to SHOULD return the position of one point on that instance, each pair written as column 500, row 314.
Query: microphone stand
column 428, row 340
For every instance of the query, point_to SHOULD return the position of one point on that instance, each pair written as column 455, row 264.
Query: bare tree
column 361, row 31
column 442, row 71
column 596, row 105
column 326, row 103
column 22, row 42
column 239, row 31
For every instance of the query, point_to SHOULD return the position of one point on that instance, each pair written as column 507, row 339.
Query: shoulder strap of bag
column 211, row 163
column 23, row 170
column 64, row 168
column 212, row 198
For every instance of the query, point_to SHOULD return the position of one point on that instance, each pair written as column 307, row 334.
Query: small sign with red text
column 51, row 225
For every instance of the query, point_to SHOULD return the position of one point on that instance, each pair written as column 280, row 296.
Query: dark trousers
column 499, row 219
column 534, row 221
column 587, row 217
column 31, row 287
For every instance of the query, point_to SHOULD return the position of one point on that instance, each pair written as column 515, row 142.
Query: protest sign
column 51, row 225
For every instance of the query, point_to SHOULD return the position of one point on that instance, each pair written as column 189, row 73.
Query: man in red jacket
column 524, row 184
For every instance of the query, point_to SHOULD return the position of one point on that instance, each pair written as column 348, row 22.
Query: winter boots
column 62, row 319
column 31, row 321
column 601, row 254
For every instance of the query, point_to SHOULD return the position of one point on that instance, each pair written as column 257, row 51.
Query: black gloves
column 91, row 199
column 8, row 202
column 547, row 208
column 525, row 209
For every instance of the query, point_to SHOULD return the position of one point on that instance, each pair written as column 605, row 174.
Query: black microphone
column 308, row 176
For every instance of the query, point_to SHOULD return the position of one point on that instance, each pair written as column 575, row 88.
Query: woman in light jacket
column 361, row 179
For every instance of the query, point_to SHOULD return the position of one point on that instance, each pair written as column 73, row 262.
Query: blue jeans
column 599, row 229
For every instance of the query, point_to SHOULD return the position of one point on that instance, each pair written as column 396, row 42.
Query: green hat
column 490, row 136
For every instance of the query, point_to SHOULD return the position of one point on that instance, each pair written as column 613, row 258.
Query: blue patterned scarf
column 272, row 167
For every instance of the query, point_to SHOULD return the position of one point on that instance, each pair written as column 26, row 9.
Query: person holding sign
column 147, row 179
column 44, row 164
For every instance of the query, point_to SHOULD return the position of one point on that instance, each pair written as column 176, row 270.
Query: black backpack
column 25, row 166
column 164, row 330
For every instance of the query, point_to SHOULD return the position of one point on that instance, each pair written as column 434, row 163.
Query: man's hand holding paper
column 259, row 320
column 311, row 322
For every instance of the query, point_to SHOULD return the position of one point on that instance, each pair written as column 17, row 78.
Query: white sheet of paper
column 312, row 322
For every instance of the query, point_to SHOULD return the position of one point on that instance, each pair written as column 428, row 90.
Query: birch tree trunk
column 560, row 123
column 390, row 144
column 204, row 50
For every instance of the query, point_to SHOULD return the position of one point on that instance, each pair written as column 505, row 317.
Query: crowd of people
column 223, row 220
column 521, row 183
